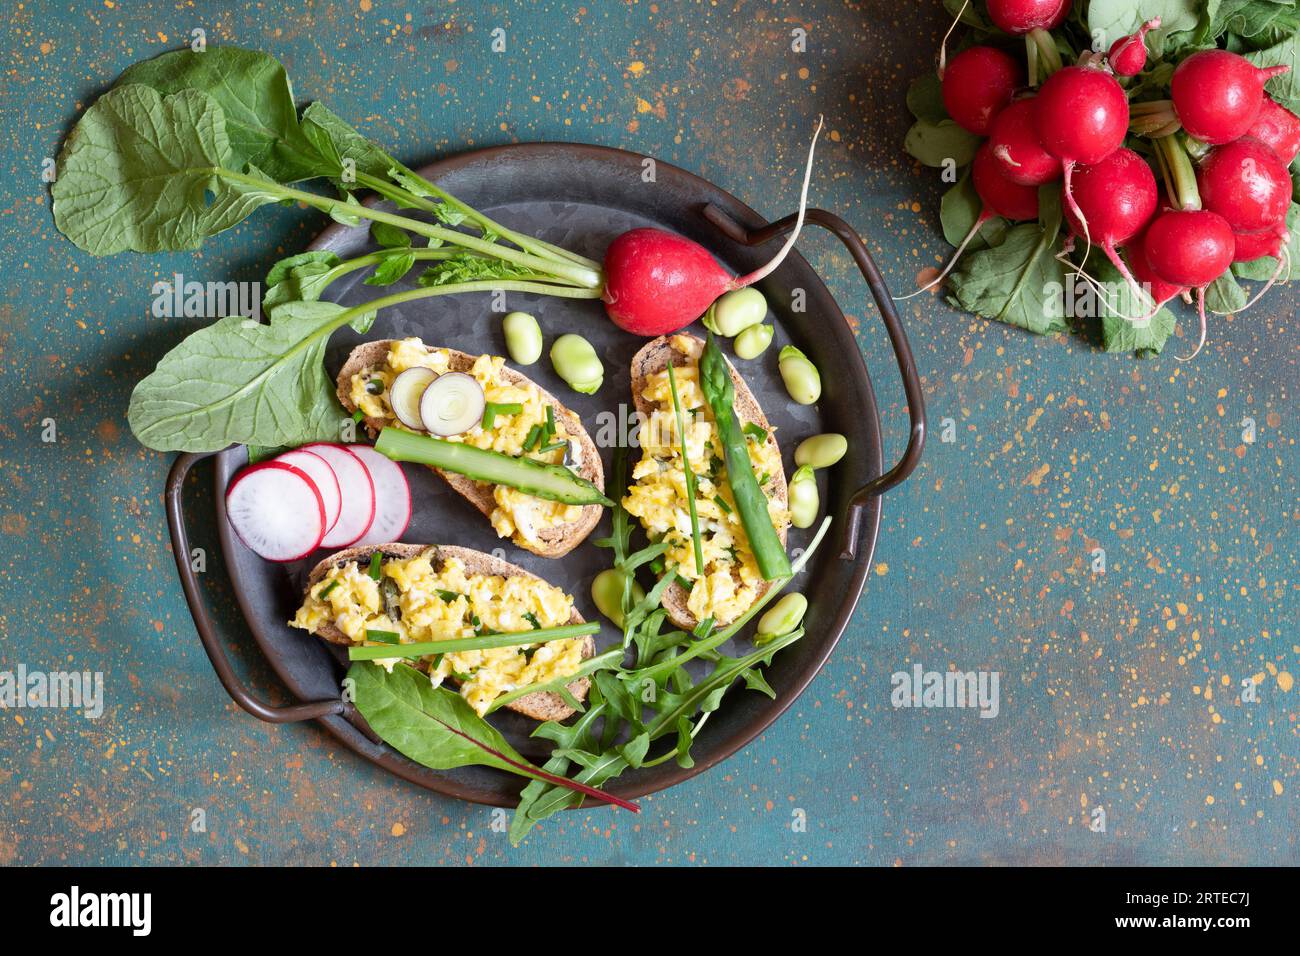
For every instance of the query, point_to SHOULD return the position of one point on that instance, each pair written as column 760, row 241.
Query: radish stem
column 763, row 271
column 1179, row 175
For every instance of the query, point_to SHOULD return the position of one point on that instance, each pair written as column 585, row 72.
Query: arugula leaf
column 139, row 172
column 255, row 96
column 471, row 268
column 937, row 144
column 236, row 381
column 1020, row 281
column 571, row 739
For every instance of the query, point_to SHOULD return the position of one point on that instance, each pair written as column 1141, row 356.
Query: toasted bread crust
column 540, row 706
column 554, row 542
column 654, row 357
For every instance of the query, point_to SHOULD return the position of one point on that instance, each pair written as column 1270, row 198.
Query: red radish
column 1116, row 198
column 1192, row 248
column 392, row 497
column 657, row 282
column 358, row 493
column 276, row 510
column 1245, row 183
column 1277, row 128
column 1015, row 147
column 1018, row 17
column 977, row 84
column 1159, row 290
column 998, row 196
column 322, row 476
column 1257, row 245
column 1081, row 115
column 1128, row 55
column 1217, row 95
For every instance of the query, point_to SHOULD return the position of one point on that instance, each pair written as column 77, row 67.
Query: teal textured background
column 1119, row 690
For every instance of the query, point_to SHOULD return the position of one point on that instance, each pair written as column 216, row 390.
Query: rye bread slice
column 654, row 357
column 553, row 542
column 540, row 706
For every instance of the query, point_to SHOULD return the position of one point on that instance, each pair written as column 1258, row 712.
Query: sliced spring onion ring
column 406, row 391
column 452, row 404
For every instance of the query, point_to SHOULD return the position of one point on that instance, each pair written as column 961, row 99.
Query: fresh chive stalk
column 459, row 644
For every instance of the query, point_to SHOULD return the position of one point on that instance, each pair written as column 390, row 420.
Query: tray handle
column 203, row 623
column 897, row 338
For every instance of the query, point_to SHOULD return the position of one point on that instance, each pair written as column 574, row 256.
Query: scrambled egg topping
column 730, row 580
column 517, row 515
column 428, row 605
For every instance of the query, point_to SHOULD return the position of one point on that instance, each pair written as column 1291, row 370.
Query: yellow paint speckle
column 1209, row 800
column 636, row 67
column 1285, row 680
column 882, row 568
column 642, row 106
column 398, row 829
column 1277, row 787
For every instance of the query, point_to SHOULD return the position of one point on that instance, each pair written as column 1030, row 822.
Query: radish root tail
column 1284, row 261
column 984, row 217
column 764, row 271
column 943, row 45
column 1200, row 311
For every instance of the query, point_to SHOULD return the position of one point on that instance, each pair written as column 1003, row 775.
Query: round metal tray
column 581, row 197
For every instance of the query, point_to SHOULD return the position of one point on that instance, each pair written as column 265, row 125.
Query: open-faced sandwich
column 730, row 580
column 401, row 594
column 477, row 400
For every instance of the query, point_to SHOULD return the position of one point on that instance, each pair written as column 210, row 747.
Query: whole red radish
column 1277, row 128
column 1018, row 17
column 1016, row 150
column 1191, row 248
column 1116, row 198
column 1257, row 245
column 1128, row 55
column 657, row 282
column 1217, row 94
column 1245, row 183
column 999, row 196
column 977, row 83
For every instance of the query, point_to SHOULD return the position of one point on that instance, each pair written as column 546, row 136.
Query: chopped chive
column 550, row 422
column 326, row 591
column 718, row 500
column 755, row 432
column 492, row 409
column 763, row 478
column 375, row 386
column 704, row 628
column 374, row 571
column 554, row 446
column 534, row 436
column 383, row 637
column 358, row 416
column 531, row 618
column 448, row 596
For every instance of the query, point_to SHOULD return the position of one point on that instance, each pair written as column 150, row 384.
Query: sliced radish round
column 452, row 404
column 276, row 510
column 405, row 393
column 322, row 476
column 392, row 497
column 357, row 490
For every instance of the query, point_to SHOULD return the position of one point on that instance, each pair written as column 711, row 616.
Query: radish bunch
column 1173, row 192
column 321, row 495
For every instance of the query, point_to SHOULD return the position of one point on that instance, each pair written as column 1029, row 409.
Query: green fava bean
column 607, row 593
column 782, row 617
column 821, row 451
column 523, row 337
column 736, row 311
column 801, row 377
column 577, row 363
column 753, row 341
column 804, row 500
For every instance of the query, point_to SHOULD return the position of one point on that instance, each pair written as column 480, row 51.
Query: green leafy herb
column 435, row 727
column 754, row 431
